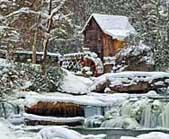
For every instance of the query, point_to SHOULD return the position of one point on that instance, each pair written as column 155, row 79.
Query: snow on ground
column 8, row 131
column 153, row 135
column 75, row 84
column 4, row 63
column 58, row 132
column 5, row 132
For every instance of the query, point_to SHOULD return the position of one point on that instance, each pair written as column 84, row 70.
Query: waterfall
column 165, row 116
column 126, row 109
column 143, row 113
column 146, row 117
column 151, row 117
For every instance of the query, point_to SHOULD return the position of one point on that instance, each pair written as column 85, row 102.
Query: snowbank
column 73, row 84
column 153, row 135
column 58, row 133
column 5, row 132
column 64, row 133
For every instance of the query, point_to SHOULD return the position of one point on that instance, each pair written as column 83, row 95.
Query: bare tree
column 56, row 16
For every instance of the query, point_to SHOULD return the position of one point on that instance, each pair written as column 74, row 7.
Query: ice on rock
column 121, row 122
column 114, row 112
column 94, row 121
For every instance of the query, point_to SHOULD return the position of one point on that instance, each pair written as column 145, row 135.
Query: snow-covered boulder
column 73, row 84
column 131, row 82
column 59, row 133
column 134, row 58
column 64, row 133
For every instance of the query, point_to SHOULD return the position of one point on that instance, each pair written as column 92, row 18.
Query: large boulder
column 131, row 82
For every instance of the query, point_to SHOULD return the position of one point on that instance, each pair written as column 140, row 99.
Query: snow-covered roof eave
column 120, row 34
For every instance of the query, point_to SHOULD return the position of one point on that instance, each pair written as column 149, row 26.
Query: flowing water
column 145, row 112
column 149, row 113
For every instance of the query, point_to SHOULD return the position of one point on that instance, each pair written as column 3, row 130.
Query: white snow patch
column 75, row 84
column 52, row 119
column 5, row 132
column 152, row 135
column 4, row 63
column 58, row 132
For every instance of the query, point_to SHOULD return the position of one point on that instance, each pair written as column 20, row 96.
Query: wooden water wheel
column 91, row 65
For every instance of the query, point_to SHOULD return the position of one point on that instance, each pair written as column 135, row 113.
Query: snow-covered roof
column 116, row 26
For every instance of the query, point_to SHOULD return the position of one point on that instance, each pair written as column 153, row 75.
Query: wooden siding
column 99, row 42
column 118, row 45
column 93, row 38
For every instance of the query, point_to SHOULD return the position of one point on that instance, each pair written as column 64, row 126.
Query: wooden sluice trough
column 49, row 113
column 61, row 110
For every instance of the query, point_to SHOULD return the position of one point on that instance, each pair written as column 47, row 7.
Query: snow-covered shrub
column 38, row 82
column 24, row 76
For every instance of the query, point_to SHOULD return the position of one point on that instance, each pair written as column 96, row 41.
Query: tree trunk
column 34, row 47
column 46, row 41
